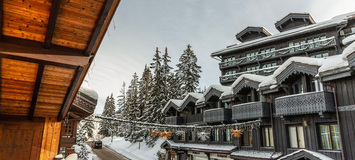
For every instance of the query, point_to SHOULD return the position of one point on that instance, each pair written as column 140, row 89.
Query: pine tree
column 188, row 71
column 145, row 86
column 83, row 153
column 132, row 104
column 153, row 111
column 121, row 100
column 165, row 73
column 106, row 129
column 89, row 126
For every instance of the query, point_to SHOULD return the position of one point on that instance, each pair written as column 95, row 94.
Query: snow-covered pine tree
column 109, row 110
column 83, row 153
column 188, row 71
column 175, row 85
column 145, row 87
column 153, row 111
column 89, row 126
column 165, row 76
column 121, row 100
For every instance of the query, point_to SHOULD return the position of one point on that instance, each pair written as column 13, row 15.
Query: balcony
column 217, row 115
column 174, row 120
column 252, row 110
column 195, row 118
column 280, row 52
column 306, row 103
column 233, row 77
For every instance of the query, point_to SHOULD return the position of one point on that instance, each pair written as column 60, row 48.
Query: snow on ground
column 131, row 150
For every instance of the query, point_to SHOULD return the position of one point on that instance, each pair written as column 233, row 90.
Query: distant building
column 300, row 83
column 83, row 105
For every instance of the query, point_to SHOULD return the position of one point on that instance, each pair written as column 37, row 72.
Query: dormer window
column 294, row 20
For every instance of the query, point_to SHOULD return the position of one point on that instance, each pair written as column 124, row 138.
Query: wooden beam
column 70, row 93
column 33, row 51
column 1, row 17
column 51, row 23
column 36, row 91
column 99, row 26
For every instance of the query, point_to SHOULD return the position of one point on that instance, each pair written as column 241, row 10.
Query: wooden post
column 50, row 139
column 304, row 83
column 253, row 94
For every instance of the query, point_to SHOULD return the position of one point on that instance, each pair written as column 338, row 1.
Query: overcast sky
column 139, row 26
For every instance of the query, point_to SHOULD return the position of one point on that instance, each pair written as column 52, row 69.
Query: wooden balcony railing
column 252, row 110
column 217, row 115
column 194, row 118
column 306, row 103
column 233, row 77
column 280, row 52
column 174, row 120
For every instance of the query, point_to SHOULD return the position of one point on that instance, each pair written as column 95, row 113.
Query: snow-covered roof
column 85, row 89
column 335, row 21
column 253, row 77
column 333, row 62
column 314, row 154
column 191, row 146
column 201, row 100
column 227, row 93
column 257, row 154
column 302, row 60
column 190, row 94
column 348, row 40
column 176, row 103
column 216, row 87
column 349, row 50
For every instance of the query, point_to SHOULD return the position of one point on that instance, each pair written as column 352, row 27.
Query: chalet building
column 298, row 83
column 46, row 49
column 83, row 105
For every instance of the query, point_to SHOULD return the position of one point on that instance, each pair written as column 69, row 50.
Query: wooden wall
column 20, row 138
column 51, row 139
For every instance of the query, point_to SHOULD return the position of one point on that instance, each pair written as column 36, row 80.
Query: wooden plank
column 70, row 93
column 36, row 91
column 99, row 26
column 30, row 51
column 1, row 19
column 51, row 23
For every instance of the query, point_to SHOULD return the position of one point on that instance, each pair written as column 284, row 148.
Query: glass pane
column 228, row 136
column 325, row 137
column 335, row 137
column 325, row 54
column 300, row 137
column 271, row 137
column 217, row 136
column 267, row 142
column 293, row 137
column 245, row 136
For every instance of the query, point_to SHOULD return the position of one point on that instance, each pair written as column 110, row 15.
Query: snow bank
column 131, row 150
column 257, row 154
column 202, row 146
column 333, row 62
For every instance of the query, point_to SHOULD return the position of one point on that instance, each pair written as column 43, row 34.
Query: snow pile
column 349, row 50
column 200, row 101
column 333, row 62
column 227, row 93
column 131, row 151
column 303, row 60
column 348, row 40
column 269, row 80
column 257, row 154
column 216, row 87
column 318, row 155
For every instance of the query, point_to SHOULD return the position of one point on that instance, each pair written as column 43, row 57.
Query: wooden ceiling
column 46, row 48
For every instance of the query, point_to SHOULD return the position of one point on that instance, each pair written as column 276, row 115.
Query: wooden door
column 20, row 139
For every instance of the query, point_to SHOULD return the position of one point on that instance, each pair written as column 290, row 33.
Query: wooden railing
column 174, row 120
column 252, row 110
column 217, row 115
column 194, row 118
column 306, row 103
column 280, row 52
column 233, row 77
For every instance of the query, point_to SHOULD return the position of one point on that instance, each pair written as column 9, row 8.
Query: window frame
column 319, row 136
column 270, row 137
column 297, row 136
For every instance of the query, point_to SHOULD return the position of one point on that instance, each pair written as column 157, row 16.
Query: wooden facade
column 46, row 49
column 306, row 110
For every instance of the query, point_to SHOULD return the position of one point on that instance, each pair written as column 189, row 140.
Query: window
column 269, row 65
column 296, row 136
column 320, row 55
column 251, row 54
column 181, row 137
column 230, row 72
column 191, row 136
column 252, row 68
column 247, row 137
column 316, row 85
column 214, row 135
column 329, row 135
column 268, row 139
column 225, row 105
column 297, row 87
column 227, row 135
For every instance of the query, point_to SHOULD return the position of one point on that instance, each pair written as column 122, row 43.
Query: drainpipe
column 337, row 37
column 337, row 116
column 272, row 125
